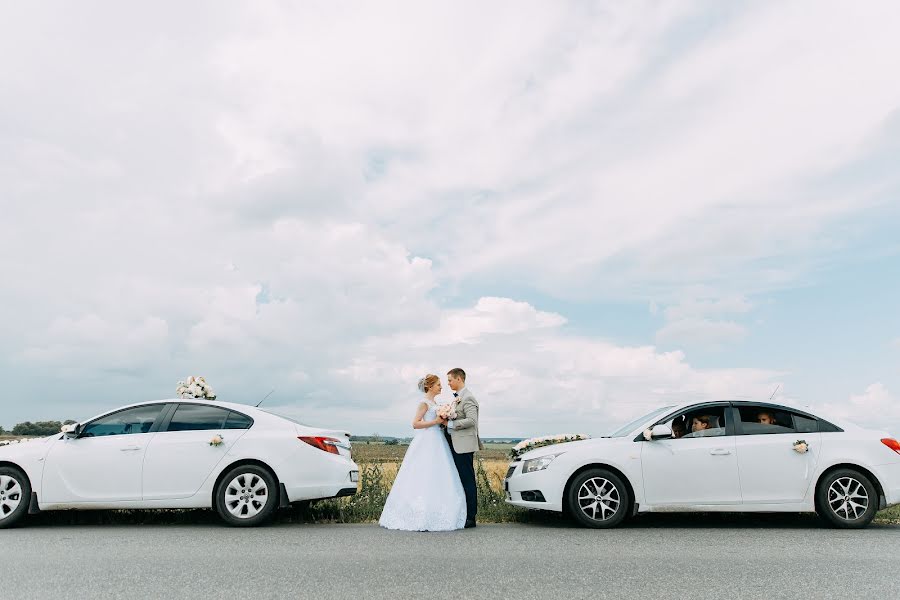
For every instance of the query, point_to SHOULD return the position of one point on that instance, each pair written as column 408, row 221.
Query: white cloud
column 876, row 407
column 701, row 321
column 90, row 342
column 488, row 316
column 316, row 198
column 534, row 379
column 704, row 332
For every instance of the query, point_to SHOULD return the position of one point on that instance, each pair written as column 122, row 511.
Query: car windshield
column 285, row 417
column 626, row 429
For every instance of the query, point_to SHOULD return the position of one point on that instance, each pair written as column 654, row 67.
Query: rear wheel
column 247, row 496
column 15, row 494
column 598, row 498
column 847, row 499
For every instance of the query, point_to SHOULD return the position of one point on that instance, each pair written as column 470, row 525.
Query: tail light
column 322, row 443
column 892, row 444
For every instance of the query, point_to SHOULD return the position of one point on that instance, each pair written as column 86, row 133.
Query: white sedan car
column 715, row 457
column 243, row 461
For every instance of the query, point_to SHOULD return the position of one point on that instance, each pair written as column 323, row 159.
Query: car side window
column 805, row 424
column 125, row 422
column 699, row 422
column 198, row 417
column 764, row 420
column 236, row 420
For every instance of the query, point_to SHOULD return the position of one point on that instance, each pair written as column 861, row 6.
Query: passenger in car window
column 765, row 418
column 700, row 423
column 678, row 429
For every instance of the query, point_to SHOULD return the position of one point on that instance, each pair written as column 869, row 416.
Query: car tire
column 598, row 498
column 15, row 496
column 247, row 496
column 847, row 499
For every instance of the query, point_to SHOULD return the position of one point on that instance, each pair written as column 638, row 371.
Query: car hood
column 567, row 446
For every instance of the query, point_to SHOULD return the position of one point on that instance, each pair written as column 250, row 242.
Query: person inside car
column 678, row 429
column 700, row 423
column 765, row 418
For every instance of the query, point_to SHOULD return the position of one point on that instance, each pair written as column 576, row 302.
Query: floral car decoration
column 195, row 387
column 547, row 440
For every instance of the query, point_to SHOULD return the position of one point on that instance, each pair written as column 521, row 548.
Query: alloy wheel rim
column 848, row 498
column 599, row 495
column 246, row 495
column 10, row 496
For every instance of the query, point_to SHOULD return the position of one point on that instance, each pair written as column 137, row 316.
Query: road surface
column 653, row 558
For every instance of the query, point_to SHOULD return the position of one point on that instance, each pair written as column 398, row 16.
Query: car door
column 180, row 457
column 699, row 470
column 771, row 472
column 102, row 464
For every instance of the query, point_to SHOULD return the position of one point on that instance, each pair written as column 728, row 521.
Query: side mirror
column 71, row 430
column 659, row 432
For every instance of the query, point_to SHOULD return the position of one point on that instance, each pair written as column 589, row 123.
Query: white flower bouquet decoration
column 548, row 440
column 195, row 387
column 801, row 446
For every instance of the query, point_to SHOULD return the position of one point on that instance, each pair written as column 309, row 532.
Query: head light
column 539, row 464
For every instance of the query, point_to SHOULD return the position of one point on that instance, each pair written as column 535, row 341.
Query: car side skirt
column 793, row 507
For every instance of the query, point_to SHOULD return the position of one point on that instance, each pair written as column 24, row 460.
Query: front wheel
column 247, row 496
column 847, row 499
column 598, row 498
column 15, row 494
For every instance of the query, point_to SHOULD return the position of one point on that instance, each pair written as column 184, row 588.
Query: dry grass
column 389, row 457
column 380, row 453
column 889, row 515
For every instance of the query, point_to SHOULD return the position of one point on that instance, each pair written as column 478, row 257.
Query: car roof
column 243, row 408
column 805, row 410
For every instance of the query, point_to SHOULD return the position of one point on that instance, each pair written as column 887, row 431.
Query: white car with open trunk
column 715, row 457
column 188, row 453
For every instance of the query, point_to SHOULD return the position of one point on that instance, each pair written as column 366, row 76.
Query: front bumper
column 526, row 489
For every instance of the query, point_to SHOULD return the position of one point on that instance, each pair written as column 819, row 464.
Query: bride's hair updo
column 428, row 382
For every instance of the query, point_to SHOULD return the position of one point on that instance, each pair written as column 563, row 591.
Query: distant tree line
column 40, row 428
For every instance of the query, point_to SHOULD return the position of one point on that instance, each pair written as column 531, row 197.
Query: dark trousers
column 465, row 466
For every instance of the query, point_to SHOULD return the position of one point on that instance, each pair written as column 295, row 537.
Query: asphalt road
column 661, row 557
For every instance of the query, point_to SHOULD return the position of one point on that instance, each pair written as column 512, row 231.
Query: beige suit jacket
column 464, row 433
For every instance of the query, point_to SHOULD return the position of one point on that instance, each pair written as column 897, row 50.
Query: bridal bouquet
column 547, row 440
column 447, row 411
column 195, row 387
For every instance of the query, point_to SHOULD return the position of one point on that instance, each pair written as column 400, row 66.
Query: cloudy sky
column 594, row 208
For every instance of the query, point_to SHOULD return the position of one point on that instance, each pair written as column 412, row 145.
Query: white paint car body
column 181, row 469
column 727, row 473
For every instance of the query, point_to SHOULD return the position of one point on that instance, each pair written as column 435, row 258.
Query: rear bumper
column 338, row 482
column 889, row 476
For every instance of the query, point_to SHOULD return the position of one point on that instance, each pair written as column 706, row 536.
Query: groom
column 462, row 434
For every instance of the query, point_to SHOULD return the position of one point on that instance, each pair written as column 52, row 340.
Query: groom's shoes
column 470, row 523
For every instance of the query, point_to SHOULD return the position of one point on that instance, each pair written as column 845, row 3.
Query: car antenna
column 264, row 398
column 775, row 392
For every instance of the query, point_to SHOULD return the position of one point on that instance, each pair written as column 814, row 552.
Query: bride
column 427, row 494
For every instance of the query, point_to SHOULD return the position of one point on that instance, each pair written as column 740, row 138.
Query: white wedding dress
column 427, row 494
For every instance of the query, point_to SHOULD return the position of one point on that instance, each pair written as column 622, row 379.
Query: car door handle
column 720, row 452
column 130, row 449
